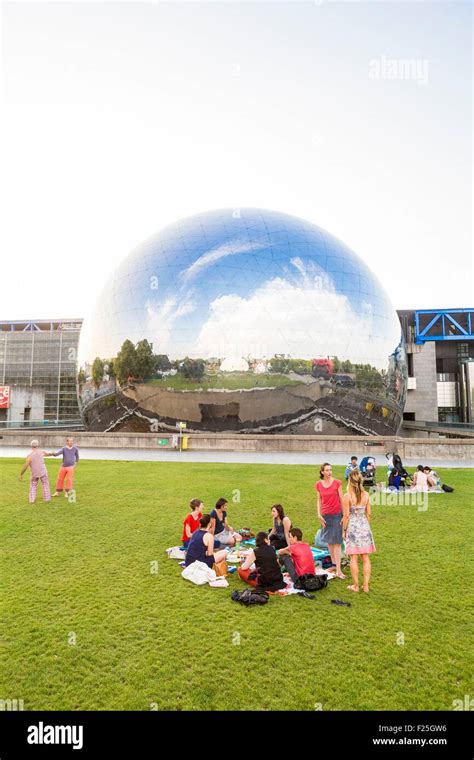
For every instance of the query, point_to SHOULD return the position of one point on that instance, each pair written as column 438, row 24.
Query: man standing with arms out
column 70, row 454
column 35, row 461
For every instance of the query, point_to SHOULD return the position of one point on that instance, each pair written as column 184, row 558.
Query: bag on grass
column 175, row 552
column 198, row 573
column 249, row 596
column 221, row 569
column 310, row 582
column 447, row 489
column 326, row 563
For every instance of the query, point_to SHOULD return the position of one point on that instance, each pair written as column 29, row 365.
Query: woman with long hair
column 420, row 479
column 329, row 508
column 279, row 535
column 224, row 534
column 356, row 529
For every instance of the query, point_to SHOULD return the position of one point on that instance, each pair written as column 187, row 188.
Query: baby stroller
column 368, row 471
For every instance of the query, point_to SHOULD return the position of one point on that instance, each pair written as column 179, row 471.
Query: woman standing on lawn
column 356, row 529
column 329, row 507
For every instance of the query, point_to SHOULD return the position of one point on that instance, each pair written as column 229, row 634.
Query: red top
column 302, row 558
column 193, row 523
column 330, row 501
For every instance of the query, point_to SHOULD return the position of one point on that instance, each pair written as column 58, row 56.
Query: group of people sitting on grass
column 423, row 479
column 344, row 518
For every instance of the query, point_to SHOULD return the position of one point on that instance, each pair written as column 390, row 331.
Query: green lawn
column 232, row 381
column 149, row 640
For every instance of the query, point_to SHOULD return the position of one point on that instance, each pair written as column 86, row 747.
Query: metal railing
column 462, row 428
column 74, row 424
column 431, row 424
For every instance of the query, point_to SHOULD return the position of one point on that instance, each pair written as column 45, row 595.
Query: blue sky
column 119, row 118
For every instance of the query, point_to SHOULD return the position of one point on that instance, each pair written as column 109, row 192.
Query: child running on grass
column 70, row 454
column 35, row 461
column 191, row 523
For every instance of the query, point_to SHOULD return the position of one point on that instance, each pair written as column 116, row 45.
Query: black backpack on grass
column 311, row 582
column 249, row 596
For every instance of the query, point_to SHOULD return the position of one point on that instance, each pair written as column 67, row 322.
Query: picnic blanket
column 391, row 489
column 316, row 551
column 319, row 553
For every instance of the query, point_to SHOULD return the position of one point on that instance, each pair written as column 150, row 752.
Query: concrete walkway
column 229, row 457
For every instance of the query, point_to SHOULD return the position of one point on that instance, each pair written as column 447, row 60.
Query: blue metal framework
column 443, row 325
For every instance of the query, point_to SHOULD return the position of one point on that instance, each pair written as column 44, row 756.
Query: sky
column 117, row 119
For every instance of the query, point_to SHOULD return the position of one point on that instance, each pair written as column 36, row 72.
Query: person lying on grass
column 191, row 522
column 201, row 545
column 268, row 575
column 297, row 557
column 224, row 534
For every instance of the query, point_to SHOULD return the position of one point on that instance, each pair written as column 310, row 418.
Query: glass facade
column 245, row 321
column 42, row 356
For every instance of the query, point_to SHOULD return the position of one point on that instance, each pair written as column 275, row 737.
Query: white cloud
column 294, row 317
column 230, row 248
column 161, row 321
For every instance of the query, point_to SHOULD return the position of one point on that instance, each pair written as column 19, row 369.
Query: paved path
column 235, row 457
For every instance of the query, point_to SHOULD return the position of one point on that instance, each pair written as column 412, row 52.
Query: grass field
column 145, row 640
column 233, row 381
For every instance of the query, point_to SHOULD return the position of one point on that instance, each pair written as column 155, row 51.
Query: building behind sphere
column 243, row 321
column 440, row 361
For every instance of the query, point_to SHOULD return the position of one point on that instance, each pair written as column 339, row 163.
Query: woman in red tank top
column 329, row 508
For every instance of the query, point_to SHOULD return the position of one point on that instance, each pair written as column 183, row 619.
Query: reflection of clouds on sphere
column 233, row 364
column 236, row 292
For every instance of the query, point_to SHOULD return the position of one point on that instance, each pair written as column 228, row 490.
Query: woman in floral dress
column 356, row 529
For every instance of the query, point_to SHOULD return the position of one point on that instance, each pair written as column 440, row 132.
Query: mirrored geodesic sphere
column 243, row 321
